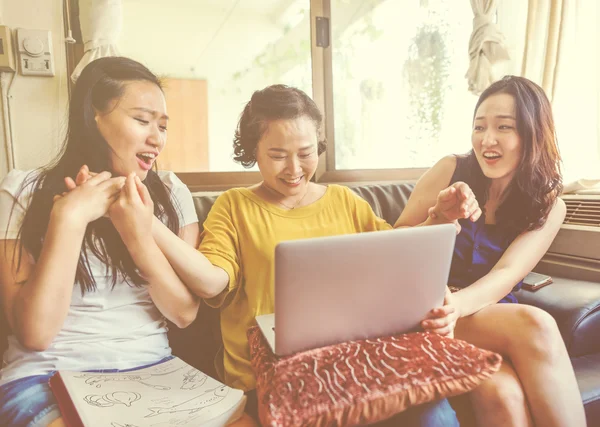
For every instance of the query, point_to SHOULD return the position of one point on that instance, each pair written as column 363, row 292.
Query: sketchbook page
column 170, row 394
column 234, row 414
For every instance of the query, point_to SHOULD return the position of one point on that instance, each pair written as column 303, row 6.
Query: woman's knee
column 536, row 334
column 500, row 393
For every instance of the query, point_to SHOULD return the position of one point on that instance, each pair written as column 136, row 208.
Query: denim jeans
column 433, row 414
column 29, row 402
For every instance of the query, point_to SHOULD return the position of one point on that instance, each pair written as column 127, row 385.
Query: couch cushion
column 575, row 304
column 587, row 371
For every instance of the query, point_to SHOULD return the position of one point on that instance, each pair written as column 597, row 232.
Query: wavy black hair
column 537, row 183
column 100, row 82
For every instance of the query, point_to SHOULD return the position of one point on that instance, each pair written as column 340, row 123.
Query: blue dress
column 479, row 246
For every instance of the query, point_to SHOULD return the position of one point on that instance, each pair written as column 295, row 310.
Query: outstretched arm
column 196, row 271
column 518, row 260
column 434, row 202
column 132, row 216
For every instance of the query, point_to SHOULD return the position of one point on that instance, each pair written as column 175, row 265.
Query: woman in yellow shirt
column 279, row 131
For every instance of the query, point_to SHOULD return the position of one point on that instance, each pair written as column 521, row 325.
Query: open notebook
column 172, row 393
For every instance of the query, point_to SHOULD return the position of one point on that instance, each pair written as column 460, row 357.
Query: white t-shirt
column 118, row 328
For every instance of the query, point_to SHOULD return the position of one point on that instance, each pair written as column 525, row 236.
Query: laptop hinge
column 322, row 25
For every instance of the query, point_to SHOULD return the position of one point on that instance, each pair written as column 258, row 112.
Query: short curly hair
column 276, row 102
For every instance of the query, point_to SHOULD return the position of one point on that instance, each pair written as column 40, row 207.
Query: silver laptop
column 334, row 289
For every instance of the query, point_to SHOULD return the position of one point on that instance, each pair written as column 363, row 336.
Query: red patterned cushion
column 363, row 382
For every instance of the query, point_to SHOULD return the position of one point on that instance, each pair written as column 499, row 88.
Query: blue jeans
column 29, row 402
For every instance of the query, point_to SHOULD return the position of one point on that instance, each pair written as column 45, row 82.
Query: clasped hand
column 125, row 200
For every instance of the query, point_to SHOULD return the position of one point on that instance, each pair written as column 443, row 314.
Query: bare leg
column 530, row 339
column 500, row 401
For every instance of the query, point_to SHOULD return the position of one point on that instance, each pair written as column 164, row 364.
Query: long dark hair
column 275, row 102
column 101, row 81
column 537, row 182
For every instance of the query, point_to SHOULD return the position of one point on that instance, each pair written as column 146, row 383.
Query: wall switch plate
column 35, row 52
column 7, row 59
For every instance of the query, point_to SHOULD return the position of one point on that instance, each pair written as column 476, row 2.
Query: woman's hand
column 90, row 200
column 442, row 320
column 455, row 202
column 133, row 211
column 82, row 176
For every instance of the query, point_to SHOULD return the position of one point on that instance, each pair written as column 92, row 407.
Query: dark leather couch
column 574, row 304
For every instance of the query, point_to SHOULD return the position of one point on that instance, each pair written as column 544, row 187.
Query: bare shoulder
column 444, row 168
column 559, row 210
column 560, row 205
column 438, row 176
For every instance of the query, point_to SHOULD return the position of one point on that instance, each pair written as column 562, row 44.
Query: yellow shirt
column 240, row 235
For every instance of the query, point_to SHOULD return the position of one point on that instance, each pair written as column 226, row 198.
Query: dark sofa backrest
column 387, row 200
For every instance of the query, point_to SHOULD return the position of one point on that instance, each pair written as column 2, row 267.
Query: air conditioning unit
column 582, row 210
column 575, row 252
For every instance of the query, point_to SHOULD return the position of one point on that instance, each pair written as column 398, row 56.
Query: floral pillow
column 363, row 382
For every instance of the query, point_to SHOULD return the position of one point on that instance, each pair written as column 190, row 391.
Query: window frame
column 322, row 83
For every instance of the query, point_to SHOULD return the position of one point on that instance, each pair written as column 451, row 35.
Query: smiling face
column 287, row 155
column 135, row 128
column 496, row 142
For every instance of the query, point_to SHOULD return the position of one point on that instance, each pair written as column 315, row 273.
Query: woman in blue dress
column 503, row 198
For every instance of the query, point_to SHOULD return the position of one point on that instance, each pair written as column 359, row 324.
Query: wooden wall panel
column 187, row 137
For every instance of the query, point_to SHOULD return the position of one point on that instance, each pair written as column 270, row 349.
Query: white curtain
column 556, row 43
column 486, row 46
column 101, row 22
column 550, row 35
column 561, row 54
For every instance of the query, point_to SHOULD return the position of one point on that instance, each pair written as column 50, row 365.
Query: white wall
column 39, row 104
column 198, row 39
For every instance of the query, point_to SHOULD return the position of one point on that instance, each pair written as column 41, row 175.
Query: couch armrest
column 575, row 304
column 588, row 379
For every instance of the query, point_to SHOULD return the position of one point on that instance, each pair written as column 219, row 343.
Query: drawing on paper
column 99, row 379
column 193, row 379
column 115, row 424
column 210, row 397
column 110, row 399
